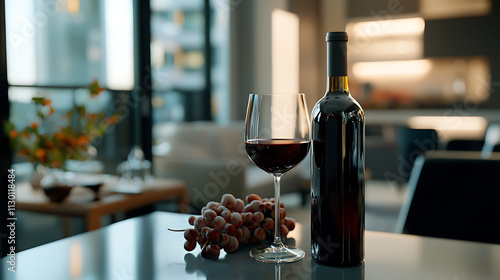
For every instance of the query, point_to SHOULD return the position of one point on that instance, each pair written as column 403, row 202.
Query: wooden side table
column 80, row 202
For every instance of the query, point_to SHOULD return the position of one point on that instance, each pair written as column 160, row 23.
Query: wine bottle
column 337, row 163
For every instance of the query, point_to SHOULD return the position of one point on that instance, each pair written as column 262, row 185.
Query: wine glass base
column 277, row 254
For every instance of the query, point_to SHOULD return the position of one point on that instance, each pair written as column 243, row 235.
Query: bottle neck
column 337, row 84
column 336, row 66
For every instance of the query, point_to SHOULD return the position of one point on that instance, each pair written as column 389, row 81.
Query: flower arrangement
column 50, row 144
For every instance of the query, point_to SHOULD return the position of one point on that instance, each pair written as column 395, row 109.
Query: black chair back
column 411, row 144
column 453, row 195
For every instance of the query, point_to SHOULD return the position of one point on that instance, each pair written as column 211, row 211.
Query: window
column 56, row 48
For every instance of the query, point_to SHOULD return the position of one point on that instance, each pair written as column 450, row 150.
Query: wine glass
column 277, row 139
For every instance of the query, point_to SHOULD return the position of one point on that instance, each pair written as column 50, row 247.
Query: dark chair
column 453, row 195
column 411, row 144
column 491, row 140
column 465, row 145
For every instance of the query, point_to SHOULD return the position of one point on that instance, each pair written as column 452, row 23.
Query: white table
column 143, row 248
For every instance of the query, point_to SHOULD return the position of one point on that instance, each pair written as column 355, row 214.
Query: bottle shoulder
column 337, row 104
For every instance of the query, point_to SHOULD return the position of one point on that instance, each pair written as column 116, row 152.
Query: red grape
column 248, row 217
column 221, row 209
column 231, row 245
column 269, row 206
column 238, row 233
column 212, row 235
column 201, row 240
column 245, row 236
column 198, row 223
column 253, row 225
column 203, row 231
column 226, row 215
column 189, row 245
column 257, row 205
column 282, row 213
column 229, row 201
column 289, row 223
column 239, row 205
column 229, row 228
column 190, row 234
column 223, row 239
column 247, row 208
column 209, row 215
column 218, row 223
column 258, row 217
column 259, row 233
column 211, row 251
column 236, row 219
column 268, row 224
column 191, row 220
column 252, row 197
column 283, row 230
column 212, row 204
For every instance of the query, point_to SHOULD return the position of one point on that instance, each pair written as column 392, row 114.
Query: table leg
column 93, row 221
column 66, row 225
column 184, row 201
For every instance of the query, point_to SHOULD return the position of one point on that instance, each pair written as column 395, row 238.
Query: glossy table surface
column 143, row 248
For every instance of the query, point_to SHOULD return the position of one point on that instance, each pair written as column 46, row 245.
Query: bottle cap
column 336, row 54
column 336, row 36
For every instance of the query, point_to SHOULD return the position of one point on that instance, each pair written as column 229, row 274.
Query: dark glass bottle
column 337, row 175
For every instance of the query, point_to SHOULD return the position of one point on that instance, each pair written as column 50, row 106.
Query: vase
column 57, row 184
column 38, row 173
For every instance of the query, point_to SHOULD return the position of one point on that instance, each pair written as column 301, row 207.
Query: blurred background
column 426, row 72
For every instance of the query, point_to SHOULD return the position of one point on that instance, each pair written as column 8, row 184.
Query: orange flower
column 113, row 120
column 23, row 152
column 51, row 111
column 13, row 134
column 26, row 134
column 70, row 141
column 92, row 116
column 58, row 135
column 34, row 125
column 83, row 140
column 40, row 154
column 47, row 102
column 49, row 144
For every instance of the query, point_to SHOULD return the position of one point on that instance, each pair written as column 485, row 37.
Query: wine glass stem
column 277, row 224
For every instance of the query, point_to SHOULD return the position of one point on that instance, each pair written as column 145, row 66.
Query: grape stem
column 178, row 230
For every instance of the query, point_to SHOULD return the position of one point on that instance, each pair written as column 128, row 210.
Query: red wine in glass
column 276, row 156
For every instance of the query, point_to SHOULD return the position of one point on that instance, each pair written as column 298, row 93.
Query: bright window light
column 21, row 42
column 285, row 60
column 285, row 52
column 119, row 44
column 416, row 68
column 380, row 28
column 438, row 9
column 451, row 127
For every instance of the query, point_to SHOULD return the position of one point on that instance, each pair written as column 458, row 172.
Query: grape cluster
column 230, row 223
